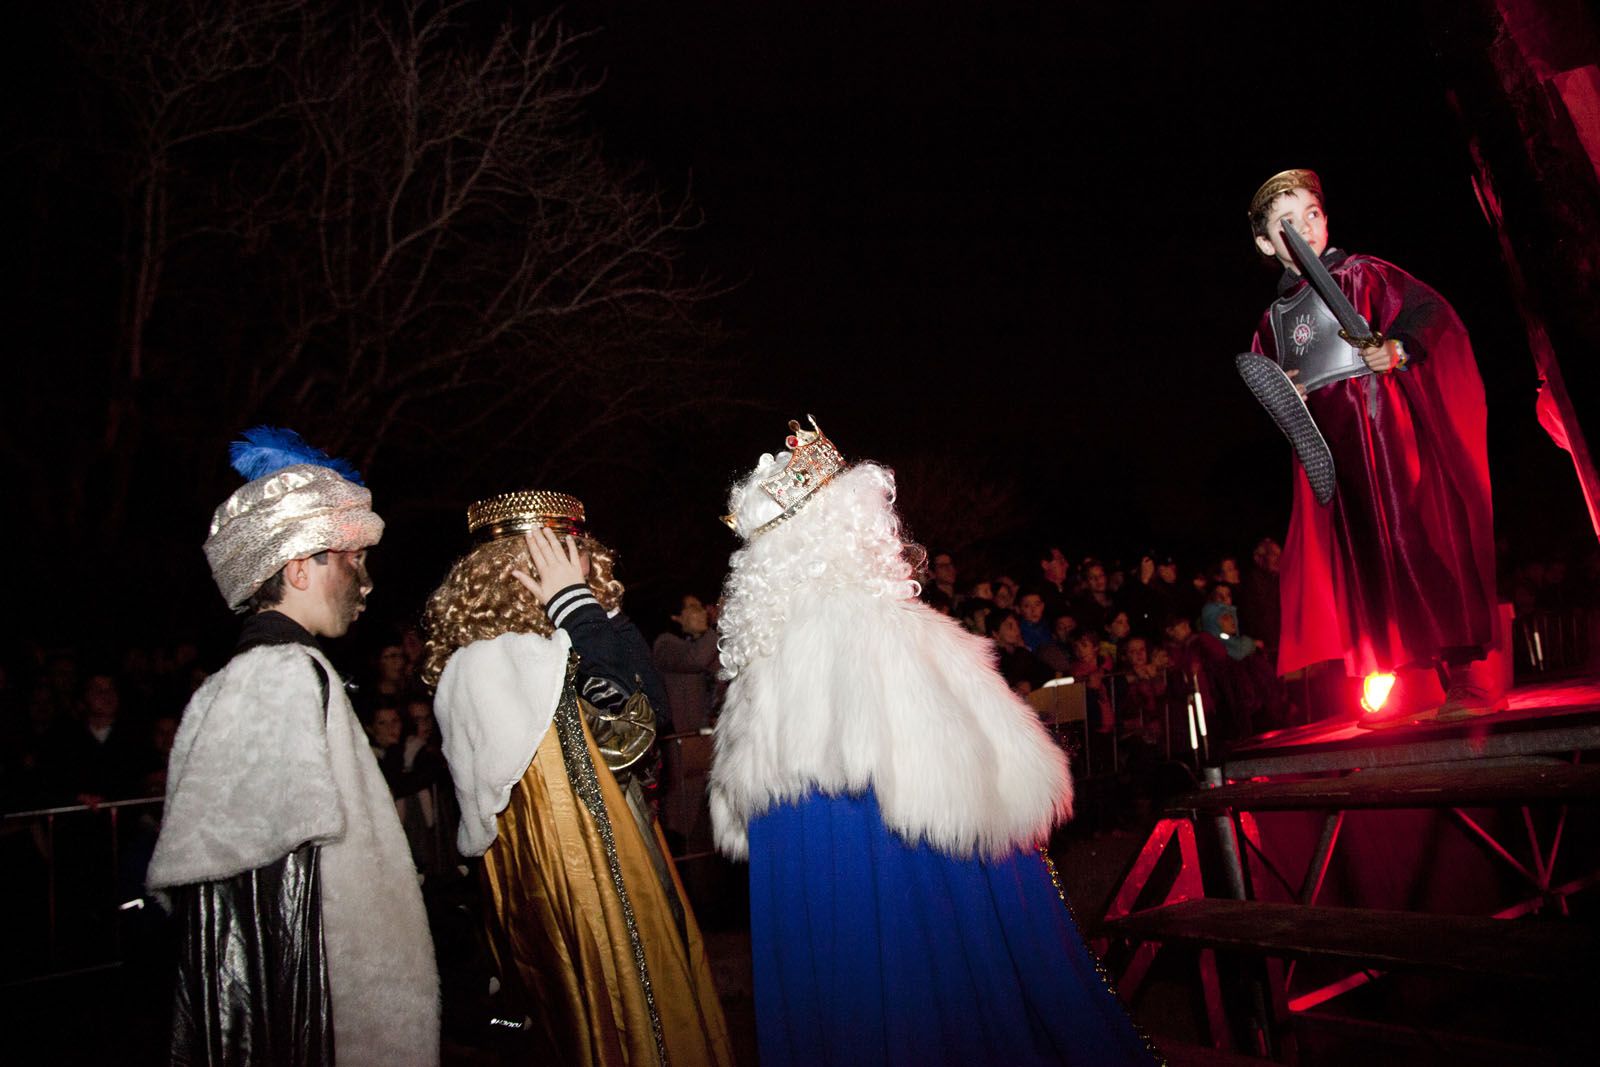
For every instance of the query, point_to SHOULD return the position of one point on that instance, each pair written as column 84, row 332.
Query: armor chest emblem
column 1308, row 340
column 1302, row 334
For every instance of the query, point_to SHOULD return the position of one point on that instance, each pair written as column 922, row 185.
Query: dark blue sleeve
column 610, row 650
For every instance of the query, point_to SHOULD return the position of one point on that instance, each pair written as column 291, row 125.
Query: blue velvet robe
column 868, row 950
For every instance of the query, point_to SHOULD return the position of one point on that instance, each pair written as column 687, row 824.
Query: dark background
column 1015, row 234
column 1000, row 247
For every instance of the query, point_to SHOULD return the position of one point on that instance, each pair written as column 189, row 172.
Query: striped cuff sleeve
column 567, row 601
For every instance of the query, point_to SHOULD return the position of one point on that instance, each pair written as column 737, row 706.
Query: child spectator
column 1035, row 630
column 1019, row 667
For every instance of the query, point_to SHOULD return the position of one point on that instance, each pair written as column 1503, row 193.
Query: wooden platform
column 1509, row 799
column 1181, row 1055
column 1460, row 784
column 1546, row 718
column 1549, row 950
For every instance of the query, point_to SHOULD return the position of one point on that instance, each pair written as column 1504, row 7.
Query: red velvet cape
column 1400, row 564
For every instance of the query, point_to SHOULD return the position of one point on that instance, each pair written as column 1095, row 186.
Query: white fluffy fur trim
column 255, row 773
column 864, row 691
column 495, row 703
column 249, row 779
column 381, row 971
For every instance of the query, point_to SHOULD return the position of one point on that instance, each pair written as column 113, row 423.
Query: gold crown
column 526, row 509
column 813, row 461
column 1285, row 181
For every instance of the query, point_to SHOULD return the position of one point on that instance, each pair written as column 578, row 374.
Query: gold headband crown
column 1285, row 181
column 813, row 462
column 509, row 514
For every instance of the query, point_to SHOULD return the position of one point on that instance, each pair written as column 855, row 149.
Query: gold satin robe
column 558, row 925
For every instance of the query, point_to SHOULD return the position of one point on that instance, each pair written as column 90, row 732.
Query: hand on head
column 555, row 565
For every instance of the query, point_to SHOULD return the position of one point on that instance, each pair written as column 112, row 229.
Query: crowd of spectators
column 1140, row 638
column 77, row 729
column 81, row 731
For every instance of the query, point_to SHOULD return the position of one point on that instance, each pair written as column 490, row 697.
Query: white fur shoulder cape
column 864, row 691
column 257, row 770
column 495, row 703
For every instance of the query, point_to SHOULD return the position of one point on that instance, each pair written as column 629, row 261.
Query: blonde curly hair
column 479, row 599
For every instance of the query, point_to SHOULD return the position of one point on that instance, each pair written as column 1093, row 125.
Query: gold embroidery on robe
column 557, row 928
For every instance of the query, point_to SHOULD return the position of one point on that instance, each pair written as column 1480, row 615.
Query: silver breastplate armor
column 1308, row 340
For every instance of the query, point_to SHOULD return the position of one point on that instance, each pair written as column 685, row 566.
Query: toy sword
column 1352, row 327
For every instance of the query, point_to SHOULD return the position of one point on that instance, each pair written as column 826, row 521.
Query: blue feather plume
column 268, row 449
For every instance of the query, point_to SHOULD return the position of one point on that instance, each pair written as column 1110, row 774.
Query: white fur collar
column 253, row 728
column 495, row 703
column 867, row 691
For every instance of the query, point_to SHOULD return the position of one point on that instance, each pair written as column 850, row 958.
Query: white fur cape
column 254, row 774
column 495, row 703
column 862, row 690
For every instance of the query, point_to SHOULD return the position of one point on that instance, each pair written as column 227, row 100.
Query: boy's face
column 1032, row 607
column 1301, row 210
column 1054, row 567
column 1095, row 579
column 385, row 727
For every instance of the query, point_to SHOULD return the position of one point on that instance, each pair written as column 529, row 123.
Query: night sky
column 1005, row 243
column 1016, row 233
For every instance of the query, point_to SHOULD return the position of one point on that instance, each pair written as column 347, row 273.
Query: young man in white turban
column 892, row 796
column 301, row 926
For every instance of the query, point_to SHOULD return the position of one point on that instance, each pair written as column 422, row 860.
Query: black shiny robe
column 252, row 981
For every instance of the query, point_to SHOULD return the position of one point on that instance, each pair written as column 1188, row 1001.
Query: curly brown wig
column 479, row 599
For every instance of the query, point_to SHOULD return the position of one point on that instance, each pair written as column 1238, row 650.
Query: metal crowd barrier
column 684, row 812
column 44, row 829
column 1543, row 641
column 1184, row 727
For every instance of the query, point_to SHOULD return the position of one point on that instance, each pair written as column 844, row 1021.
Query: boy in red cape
column 1397, row 570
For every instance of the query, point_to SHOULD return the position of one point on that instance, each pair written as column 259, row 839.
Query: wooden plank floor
column 1451, row 785
column 1551, row 949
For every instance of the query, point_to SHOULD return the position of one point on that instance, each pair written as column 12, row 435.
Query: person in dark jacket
column 687, row 662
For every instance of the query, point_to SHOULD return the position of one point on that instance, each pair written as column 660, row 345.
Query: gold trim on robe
column 558, row 928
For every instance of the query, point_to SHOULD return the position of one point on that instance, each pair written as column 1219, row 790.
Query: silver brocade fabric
column 290, row 514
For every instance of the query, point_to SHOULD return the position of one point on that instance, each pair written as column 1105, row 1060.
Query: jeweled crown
column 813, row 462
column 524, row 510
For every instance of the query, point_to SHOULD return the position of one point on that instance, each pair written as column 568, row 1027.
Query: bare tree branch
column 385, row 217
